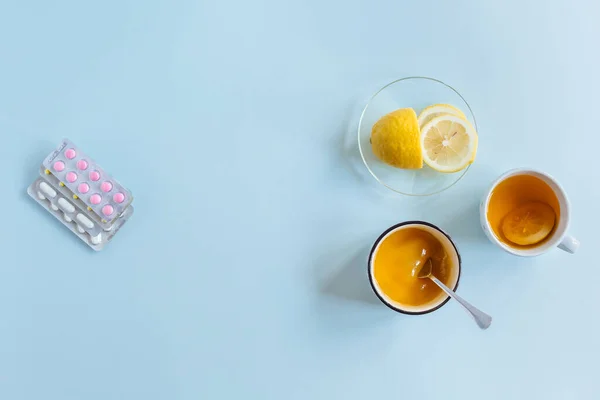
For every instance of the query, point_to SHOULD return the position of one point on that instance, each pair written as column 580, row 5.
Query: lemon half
column 396, row 140
column 449, row 143
column 438, row 110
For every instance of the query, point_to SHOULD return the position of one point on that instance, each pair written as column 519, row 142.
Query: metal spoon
column 482, row 319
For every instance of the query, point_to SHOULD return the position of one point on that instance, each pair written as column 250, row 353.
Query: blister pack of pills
column 82, row 195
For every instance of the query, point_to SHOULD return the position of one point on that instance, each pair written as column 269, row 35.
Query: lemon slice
column 449, row 143
column 529, row 223
column 438, row 110
column 396, row 139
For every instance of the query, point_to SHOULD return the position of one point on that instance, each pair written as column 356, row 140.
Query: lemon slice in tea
column 529, row 223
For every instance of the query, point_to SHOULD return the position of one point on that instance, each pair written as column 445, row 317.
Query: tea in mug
column 397, row 262
column 523, row 211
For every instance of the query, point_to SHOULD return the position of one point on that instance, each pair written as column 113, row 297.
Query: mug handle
column 569, row 244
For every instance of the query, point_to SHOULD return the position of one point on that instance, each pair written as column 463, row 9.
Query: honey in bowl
column 523, row 211
column 396, row 263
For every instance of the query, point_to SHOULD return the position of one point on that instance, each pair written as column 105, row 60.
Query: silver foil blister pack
column 82, row 195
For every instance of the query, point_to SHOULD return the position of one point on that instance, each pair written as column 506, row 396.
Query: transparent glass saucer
column 417, row 92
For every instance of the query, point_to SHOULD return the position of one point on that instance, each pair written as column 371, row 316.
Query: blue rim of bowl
column 360, row 126
column 376, row 244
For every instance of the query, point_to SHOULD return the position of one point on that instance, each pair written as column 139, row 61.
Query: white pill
column 47, row 189
column 52, row 206
column 80, row 229
column 97, row 239
column 65, row 205
column 85, row 221
column 67, row 218
column 41, row 196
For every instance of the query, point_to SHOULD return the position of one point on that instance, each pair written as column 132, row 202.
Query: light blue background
column 243, row 272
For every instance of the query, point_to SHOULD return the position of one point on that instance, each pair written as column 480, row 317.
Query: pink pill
column 82, row 165
column 59, row 166
column 95, row 199
column 119, row 197
column 70, row 154
column 95, row 176
column 106, row 186
column 108, row 210
column 83, row 188
column 71, row 177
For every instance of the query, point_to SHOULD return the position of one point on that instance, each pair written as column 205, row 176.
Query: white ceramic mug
column 559, row 238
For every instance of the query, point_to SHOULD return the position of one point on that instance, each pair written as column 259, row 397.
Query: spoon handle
column 482, row 319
